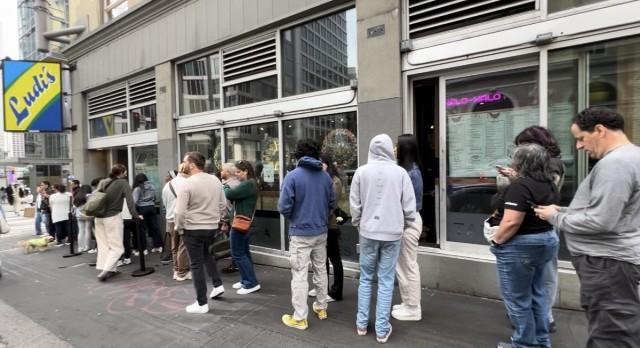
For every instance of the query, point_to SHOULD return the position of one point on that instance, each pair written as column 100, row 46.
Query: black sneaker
column 552, row 327
column 165, row 260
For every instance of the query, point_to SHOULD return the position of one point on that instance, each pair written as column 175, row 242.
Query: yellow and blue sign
column 32, row 96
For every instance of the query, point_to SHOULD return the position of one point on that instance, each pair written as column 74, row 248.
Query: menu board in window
column 478, row 141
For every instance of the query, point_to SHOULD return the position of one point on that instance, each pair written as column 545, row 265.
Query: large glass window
column 601, row 74
column 145, row 160
column 251, row 91
column 143, row 118
column 559, row 5
column 320, row 54
column 200, row 85
column 337, row 136
column 108, row 125
column 207, row 143
column 484, row 113
column 259, row 145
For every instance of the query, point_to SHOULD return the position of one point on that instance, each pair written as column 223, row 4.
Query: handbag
column 221, row 246
column 97, row 202
column 341, row 216
column 488, row 230
column 242, row 223
column 4, row 226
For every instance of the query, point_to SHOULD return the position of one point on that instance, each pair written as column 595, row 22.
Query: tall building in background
column 40, row 155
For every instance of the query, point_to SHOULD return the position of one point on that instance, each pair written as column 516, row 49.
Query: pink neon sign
column 477, row 99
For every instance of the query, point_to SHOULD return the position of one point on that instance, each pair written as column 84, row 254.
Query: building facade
column 41, row 156
column 247, row 79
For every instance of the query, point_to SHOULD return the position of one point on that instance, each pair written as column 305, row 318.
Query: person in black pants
column 333, row 237
column 144, row 196
column 128, row 231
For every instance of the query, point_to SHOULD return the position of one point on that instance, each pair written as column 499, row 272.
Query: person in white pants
column 407, row 269
column 109, row 227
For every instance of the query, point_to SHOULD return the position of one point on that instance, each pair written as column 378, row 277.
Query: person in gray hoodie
column 382, row 202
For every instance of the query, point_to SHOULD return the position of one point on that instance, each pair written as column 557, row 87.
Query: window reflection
column 108, row 125
column 320, row 54
column 207, row 143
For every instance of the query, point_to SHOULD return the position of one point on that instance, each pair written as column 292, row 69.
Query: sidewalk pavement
column 62, row 298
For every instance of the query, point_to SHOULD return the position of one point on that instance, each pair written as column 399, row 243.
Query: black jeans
column 151, row 226
column 61, row 230
column 197, row 243
column 609, row 295
column 333, row 255
column 129, row 230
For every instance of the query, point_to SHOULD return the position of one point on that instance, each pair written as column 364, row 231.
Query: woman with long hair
column 543, row 137
column 109, row 226
column 244, row 197
column 525, row 247
column 144, row 196
column 84, row 222
column 407, row 270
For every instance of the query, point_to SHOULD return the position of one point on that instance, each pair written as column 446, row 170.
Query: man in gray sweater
column 602, row 229
column 199, row 205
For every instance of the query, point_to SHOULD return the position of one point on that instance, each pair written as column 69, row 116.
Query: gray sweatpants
column 303, row 249
column 609, row 294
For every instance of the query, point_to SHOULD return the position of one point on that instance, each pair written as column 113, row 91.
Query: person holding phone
column 525, row 247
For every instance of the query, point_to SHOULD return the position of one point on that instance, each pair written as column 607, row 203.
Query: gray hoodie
column 382, row 199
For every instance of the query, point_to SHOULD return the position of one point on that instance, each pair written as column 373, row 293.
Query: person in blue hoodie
column 382, row 202
column 306, row 199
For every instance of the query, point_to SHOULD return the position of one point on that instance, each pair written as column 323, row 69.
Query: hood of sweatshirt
column 310, row 163
column 381, row 149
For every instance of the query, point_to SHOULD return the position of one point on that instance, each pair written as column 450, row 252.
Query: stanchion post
column 72, row 238
column 143, row 271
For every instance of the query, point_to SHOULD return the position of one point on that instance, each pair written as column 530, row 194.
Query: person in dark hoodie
column 382, row 202
column 144, row 196
column 306, row 199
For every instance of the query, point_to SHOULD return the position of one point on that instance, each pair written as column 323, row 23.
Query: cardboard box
column 29, row 212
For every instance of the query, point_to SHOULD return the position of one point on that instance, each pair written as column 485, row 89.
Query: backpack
column 97, row 202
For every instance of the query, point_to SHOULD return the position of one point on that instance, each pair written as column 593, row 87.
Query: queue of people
column 385, row 198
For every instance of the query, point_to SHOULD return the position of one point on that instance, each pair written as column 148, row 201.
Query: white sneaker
column 92, row 251
column 175, row 275
column 408, row 313
column 195, row 308
column 312, row 293
column 217, row 291
column 183, row 278
column 243, row 291
column 136, row 253
column 330, row 299
column 123, row 262
column 237, row 285
column 156, row 250
column 397, row 306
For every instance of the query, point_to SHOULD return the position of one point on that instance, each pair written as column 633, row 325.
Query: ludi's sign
column 32, row 96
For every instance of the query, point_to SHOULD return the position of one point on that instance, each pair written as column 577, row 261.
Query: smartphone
column 533, row 205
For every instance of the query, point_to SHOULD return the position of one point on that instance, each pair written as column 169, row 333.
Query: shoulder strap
column 109, row 184
column 172, row 190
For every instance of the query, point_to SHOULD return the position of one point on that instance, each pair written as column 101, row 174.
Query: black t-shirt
column 522, row 190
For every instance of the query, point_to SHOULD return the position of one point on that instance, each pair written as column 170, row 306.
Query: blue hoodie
column 306, row 198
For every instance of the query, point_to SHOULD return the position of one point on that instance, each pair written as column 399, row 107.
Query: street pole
column 143, row 271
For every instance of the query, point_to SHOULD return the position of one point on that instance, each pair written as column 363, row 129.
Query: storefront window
column 484, row 114
column 559, row 5
column 337, row 136
column 602, row 74
column 200, row 85
column 251, row 91
column 259, row 145
column 108, row 125
column 145, row 160
column 207, row 143
column 320, row 54
column 143, row 118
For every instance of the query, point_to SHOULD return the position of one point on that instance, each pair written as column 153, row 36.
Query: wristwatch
column 494, row 244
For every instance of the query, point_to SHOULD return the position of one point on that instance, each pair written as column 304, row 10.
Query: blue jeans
column 242, row 255
column 524, row 274
column 383, row 256
column 40, row 218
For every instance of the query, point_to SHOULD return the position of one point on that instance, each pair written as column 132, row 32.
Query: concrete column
column 379, row 71
column 165, row 109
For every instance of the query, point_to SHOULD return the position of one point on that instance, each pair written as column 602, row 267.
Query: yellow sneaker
column 322, row 313
column 288, row 320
